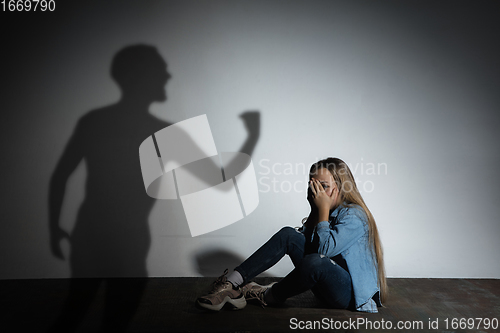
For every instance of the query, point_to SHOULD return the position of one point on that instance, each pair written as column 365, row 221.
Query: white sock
column 235, row 278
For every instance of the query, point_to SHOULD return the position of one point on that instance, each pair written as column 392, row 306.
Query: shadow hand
column 252, row 121
column 57, row 235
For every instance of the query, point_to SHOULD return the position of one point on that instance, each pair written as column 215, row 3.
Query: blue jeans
column 327, row 280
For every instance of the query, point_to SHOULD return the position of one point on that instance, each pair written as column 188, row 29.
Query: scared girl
column 336, row 253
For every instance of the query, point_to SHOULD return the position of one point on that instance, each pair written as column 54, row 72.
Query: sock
column 235, row 278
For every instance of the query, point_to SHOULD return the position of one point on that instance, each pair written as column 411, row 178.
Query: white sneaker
column 222, row 292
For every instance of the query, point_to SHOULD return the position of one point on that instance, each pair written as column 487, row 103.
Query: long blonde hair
column 349, row 195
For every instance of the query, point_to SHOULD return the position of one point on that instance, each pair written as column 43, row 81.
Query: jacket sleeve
column 335, row 238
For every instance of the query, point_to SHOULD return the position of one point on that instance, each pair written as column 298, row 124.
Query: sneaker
column 254, row 291
column 221, row 293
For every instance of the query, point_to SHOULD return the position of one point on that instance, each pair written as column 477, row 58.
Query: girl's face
column 326, row 179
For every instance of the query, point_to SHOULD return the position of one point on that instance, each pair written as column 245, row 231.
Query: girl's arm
column 348, row 228
column 335, row 239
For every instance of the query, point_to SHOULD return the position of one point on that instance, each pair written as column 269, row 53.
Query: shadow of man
column 111, row 237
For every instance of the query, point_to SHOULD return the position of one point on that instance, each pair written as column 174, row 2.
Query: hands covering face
column 322, row 196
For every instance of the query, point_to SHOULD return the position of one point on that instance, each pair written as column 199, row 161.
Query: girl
column 336, row 253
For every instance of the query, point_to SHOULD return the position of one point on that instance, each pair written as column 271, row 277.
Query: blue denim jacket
column 347, row 234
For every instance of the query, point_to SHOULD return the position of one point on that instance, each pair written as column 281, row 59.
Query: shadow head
column 141, row 73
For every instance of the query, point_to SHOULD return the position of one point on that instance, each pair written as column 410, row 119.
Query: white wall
column 410, row 86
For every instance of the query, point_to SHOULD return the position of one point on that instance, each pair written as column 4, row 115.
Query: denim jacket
column 347, row 234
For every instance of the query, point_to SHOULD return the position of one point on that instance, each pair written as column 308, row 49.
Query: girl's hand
column 321, row 199
column 310, row 198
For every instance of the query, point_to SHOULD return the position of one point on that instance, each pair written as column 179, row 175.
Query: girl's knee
column 312, row 261
column 288, row 232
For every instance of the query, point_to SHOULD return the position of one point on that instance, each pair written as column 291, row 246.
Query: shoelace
column 258, row 295
column 219, row 282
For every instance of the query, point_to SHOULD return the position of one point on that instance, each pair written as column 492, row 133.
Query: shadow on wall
column 213, row 263
column 111, row 237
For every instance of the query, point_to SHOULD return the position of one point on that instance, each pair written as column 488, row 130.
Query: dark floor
column 167, row 304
